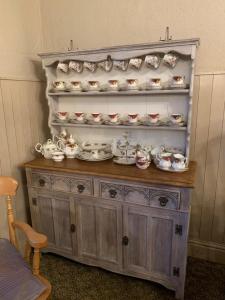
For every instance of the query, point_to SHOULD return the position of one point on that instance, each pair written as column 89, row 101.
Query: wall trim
column 210, row 73
column 210, row 251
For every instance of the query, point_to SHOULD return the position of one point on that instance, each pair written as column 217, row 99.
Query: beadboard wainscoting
column 207, row 228
column 23, row 122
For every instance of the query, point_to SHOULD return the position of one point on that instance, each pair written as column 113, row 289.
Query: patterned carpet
column 74, row 281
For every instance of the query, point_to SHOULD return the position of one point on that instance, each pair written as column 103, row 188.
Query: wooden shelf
column 140, row 127
column 123, row 93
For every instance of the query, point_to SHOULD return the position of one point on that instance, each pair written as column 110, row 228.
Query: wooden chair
column 14, row 271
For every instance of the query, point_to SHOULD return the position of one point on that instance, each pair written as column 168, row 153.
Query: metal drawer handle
column 72, row 228
column 163, row 201
column 80, row 188
column 125, row 241
column 34, row 201
column 112, row 193
column 41, row 182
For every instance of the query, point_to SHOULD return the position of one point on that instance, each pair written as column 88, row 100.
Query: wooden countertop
column 109, row 169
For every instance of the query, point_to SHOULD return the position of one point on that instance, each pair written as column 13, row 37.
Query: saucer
column 178, row 86
column 127, row 123
column 129, row 160
column 171, row 169
column 107, row 122
column 60, row 121
column 87, row 156
column 91, row 122
column 74, row 121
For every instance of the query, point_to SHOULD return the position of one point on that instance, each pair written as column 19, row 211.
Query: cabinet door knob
column 163, row 201
column 80, row 188
column 41, row 182
column 125, row 241
column 72, row 228
column 112, row 193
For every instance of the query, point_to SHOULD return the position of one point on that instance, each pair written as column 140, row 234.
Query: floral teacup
column 59, row 85
column 62, row 67
column 152, row 61
column 76, row 66
column 90, row 66
column 135, row 63
column 62, row 115
column 153, row 117
column 132, row 118
column 170, row 59
column 121, row 64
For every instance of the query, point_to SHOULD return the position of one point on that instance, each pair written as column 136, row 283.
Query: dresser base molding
column 210, row 251
column 92, row 263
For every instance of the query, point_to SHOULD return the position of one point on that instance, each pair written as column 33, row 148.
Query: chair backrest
column 8, row 188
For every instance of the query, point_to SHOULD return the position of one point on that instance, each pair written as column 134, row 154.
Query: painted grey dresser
column 120, row 218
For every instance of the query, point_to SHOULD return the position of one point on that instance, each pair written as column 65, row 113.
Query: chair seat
column 16, row 279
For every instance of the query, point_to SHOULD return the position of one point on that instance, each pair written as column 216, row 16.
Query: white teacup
column 59, row 85
column 62, row 115
column 96, row 117
column 135, row 63
column 62, row 67
column 113, row 84
column 79, row 116
column 76, row 66
column 179, row 162
column 178, row 80
column 153, row 117
column 152, row 61
column 177, row 118
column 132, row 117
column 58, row 156
column 132, row 83
column 121, row 64
column 113, row 117
column 170, row 59
column 155, row 83
column 75, row 85
column 93, row 84
column 90, row 66
column 106, row 65
column 165, row 160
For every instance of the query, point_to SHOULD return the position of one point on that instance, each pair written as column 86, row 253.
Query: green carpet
column 74, row 281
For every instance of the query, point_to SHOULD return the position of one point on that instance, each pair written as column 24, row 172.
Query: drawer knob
column 80, row 188
column 125, row 241
column 112, row 193
column 163, row 201
column 72, row 228
column 41, row 182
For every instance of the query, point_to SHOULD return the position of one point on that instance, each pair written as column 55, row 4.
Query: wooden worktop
column 109, row 169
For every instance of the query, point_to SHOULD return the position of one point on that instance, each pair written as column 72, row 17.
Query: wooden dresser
column 120, row 218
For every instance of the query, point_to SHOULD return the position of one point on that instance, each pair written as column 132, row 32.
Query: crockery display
column 47, row 149
column 170, row 60
column 62, row 67
column 90, row 66
column 121, row 65
column 135, row 63
column 152, row 61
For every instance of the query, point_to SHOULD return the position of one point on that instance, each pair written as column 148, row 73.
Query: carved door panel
column 109, row 234
column 99, row 231
column 86, row 229
column 53, row 217
column 150, row 241
column 63, row 224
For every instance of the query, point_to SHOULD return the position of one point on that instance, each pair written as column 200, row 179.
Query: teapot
column 47, row 148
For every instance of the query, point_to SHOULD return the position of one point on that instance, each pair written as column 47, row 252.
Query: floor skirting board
column 210, row 251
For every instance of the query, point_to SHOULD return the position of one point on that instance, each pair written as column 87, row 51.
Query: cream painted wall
column 97, row 23
column 20, row 39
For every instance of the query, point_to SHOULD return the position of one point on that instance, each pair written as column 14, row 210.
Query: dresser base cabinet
column 131, row 228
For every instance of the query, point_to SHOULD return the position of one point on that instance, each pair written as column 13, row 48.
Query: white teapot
column 164, row 160
column 47, row 148
column 69, row 147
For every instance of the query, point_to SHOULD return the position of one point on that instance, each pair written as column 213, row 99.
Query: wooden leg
column 36, row 261
column 27, row 252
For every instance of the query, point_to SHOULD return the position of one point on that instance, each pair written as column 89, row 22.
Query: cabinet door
column 99, row 230
column 52, row 217
column 151, row 241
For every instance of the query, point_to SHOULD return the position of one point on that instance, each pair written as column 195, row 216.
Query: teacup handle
column 60, row 145
column 38, row 147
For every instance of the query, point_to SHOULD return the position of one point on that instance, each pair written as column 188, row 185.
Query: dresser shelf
column 123, row 93
column 140, row 127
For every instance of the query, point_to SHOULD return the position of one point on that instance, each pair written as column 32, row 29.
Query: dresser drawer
column 136, row 195
column 111, row 191
column 60, row 183
column 82, row 186
column 165, row 198
column 41, row 180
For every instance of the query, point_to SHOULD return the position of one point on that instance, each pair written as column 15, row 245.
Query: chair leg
column 27, row 252
column 36, row 261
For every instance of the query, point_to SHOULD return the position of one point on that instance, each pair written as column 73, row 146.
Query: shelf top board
column 108, row 169
column 142, row 46
column 122, row 93
column 140, row 127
